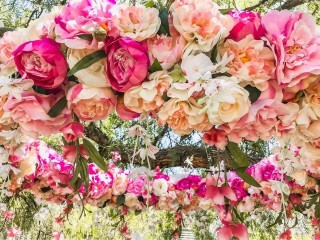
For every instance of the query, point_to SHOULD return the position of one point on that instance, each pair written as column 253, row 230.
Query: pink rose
column 127, row 63
column 69, row 153
column 31, row 112
column 91, row 103
column 123, row 112
column 168, row 50
column 72, row 131
column 41, row 61
column 296, row 45
column 83, row 17
column 246, row 22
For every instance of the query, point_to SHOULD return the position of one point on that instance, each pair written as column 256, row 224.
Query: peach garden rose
column 90, row 103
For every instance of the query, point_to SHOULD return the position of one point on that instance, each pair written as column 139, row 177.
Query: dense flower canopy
column 232, row 77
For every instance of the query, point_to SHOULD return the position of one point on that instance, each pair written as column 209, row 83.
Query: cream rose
column 160, row 187
column 310, row 157
column 184, row 116
column 137, row 22
column 300, row 176
column 94, row 75
column 132, row 201
column 226, row 101
column 148, row 96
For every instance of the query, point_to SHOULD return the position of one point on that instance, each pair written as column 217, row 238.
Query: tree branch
column 256, row 6
column 289, row 4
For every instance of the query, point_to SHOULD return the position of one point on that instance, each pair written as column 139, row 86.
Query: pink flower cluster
column 50, row 174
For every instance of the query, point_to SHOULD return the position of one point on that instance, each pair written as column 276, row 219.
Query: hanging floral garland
column 231, row 75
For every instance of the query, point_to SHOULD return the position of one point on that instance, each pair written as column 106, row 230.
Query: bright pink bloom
column 136, row 186
column 72, row 131
column 292, row 36
column 127, row 63
column 57, row 235
column 83, row 18
column 12, row 233
column 41, row 61
column 192, row 181
column 246, row 22
column 31, row 112
column 233, row 230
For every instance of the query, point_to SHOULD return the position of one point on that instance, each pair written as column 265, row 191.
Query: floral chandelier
column 231, row 76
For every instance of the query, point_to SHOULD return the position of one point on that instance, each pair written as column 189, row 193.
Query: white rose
column 226, row 101
column 137, row 22
column 160, row 187
column 94, row 75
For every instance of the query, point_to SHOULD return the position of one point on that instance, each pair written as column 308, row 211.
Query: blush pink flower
column 167, row 50
column 216, row 137
column 253, row 63
column 84, row 17
column 148, row 96
column 72, row 131
column 230, row 230
column 90, row 103
column 8, row 43
column 42, row 61
column 12, row 233
column 8, row 215
column 292, row 35
column 31, row 112
column 137, row 22
column 200, row 23
column 246, row 23
column 127, row 63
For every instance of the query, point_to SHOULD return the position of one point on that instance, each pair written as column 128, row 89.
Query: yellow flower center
column 293, row 49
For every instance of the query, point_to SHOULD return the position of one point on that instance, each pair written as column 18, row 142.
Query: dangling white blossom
column 14, row 87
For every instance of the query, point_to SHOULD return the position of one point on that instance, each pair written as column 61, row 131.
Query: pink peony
column 90, row 103
column 84, row 17
column 41, row 61
column 296, row 46
column 127, row 63
column 246, row 23
column 230, row 230
column 72, row 131
column 167, row 50
column 31, row 112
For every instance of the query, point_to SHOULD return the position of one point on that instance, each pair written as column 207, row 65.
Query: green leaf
column 58, row 107
column 87, row 37
column 45, row 189
column 225, row 10
column 84, row 172
column 317, row 211
column 164, row 27
column 155, row 66
column 120, row 200
column 214, row 53
column 240, row 158
column 41, row 90
column 254, row 93
column 95, row 155
column 87, row 61
column 177, row 75
column 149, row 4
column 278, row 220
column 247, row 177
column 62, row 185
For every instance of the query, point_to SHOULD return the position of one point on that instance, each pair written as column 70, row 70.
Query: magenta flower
column 127, row 63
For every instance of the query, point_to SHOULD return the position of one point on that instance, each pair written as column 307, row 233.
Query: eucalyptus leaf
column 317, row 210
column 149, row 4
column 58, row 107
column 95, row 155
column 84, row 173
column 87, row 37
column 225, row 10
column 87, row 61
